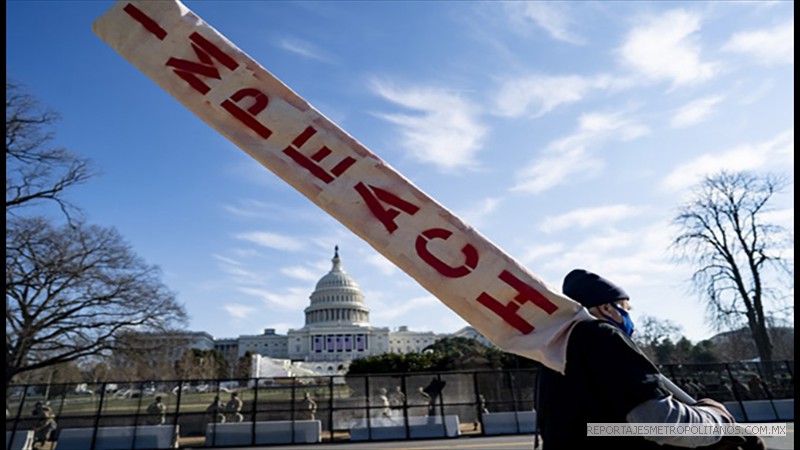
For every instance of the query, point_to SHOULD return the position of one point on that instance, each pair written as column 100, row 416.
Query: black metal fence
column 342, row 401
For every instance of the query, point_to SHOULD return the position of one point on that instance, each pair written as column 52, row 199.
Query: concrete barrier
column 23, row 440
column 274, row 432
column 762, row 410
column 511, row 422
column 119, row 438
column 381, row 428
column 785, row 409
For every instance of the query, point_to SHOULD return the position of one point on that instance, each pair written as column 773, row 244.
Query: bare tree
column 70, row 290
column 736, row 252
column 651, row 330
column 36, row 172
column 244, row 366
column 652, row 333
column 196, row 364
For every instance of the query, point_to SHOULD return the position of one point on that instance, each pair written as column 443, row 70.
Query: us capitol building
column 336, row 331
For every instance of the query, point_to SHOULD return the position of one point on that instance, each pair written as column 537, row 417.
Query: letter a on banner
column 243, row 101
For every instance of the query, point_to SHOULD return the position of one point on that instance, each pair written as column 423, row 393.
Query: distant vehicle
column 183, row 388
column 110, row 388
column 202, row 388
column 16, row 392
column 128, row 393
column 226, row 386
column 83, row 388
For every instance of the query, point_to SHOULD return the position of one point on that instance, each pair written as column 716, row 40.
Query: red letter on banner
column 148, row 23
column 188, row 70
column 509, row 311
column 261, row 101
column 448, row 271
column 527, row 293
column 373, row 196
column 311, row 164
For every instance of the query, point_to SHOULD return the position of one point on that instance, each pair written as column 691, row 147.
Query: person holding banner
column 607, row 379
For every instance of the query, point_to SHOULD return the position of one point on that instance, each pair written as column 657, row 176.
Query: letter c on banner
column 451, row 272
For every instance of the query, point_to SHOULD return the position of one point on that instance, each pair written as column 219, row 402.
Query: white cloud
column 446, row 134
column 240, row 311
column 571, row 156
column 604, row 243
column 587, row 217
column 302, row 48
column 272, row 240
column 257, row 209
column 603, row 125
column 769, row 46
column 686, row 175
column 227, row 260
column 383, row 265
column 244, row 252
column 757, row 93
column 480, row 209
column 778, row 151
column 241, row 275
column 694, row 112
column 389, row 313
column 295, row 299
column 782, row 217
column 550, row 171
column 533, row 253
column 537, row 95
column 665, row 47
column 631, row 257
column 550, row 16
column 300, row 273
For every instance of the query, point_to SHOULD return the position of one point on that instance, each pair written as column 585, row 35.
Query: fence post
column 478, row 405
column 369, row 410
column 513, row 388
column 735, row 391
column 97, row 415
column 404, row 383
column 330, row 406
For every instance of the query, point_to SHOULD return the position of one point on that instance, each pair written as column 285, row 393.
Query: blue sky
column 566, row 132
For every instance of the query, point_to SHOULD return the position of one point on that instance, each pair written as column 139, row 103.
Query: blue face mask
column 627, row 323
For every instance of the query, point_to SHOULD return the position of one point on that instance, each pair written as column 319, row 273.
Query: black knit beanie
column 590, row 289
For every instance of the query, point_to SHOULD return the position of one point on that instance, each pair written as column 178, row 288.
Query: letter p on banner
column 243, row 101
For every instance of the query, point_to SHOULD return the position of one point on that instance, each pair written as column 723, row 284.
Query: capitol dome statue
column 337, row 299
column 337, row 324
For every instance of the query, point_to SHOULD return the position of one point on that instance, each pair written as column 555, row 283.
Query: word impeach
column 243, row 101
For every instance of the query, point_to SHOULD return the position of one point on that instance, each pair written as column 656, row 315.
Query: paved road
column 516, row 442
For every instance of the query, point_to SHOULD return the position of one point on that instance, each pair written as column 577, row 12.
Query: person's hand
column 731, row 442
column 717, row 406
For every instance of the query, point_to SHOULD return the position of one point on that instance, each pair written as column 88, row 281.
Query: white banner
column 235, row 95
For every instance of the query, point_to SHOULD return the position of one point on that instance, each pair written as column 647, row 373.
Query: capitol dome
column 337, row 299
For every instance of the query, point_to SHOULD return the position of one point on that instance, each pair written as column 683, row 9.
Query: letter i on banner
column 235, row 95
